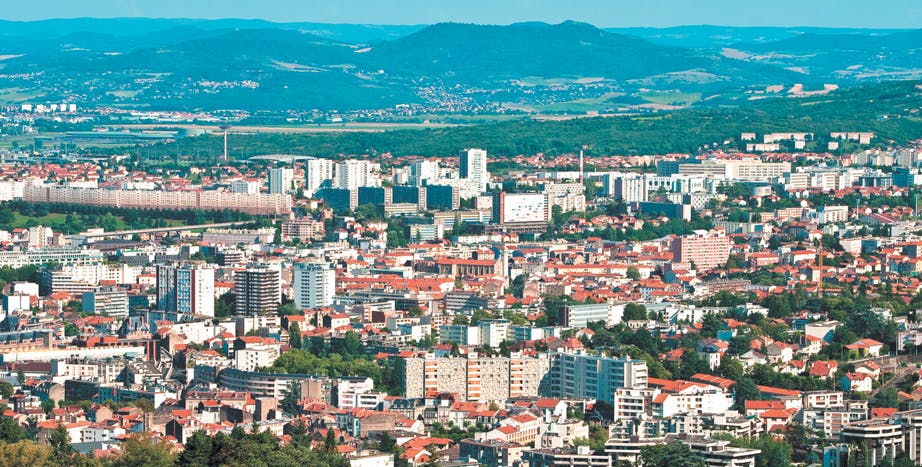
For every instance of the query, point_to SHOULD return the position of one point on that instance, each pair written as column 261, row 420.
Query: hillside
column 892, row 110
column 258, row 66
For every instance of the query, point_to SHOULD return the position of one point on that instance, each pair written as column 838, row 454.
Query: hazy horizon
column 896, row 14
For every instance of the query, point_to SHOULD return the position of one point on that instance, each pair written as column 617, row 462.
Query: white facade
column 353, row 174
column 281, row 180
column 316, row 173
column 473, row 166
column 314, row 285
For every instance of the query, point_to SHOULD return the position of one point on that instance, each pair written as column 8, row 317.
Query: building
column 318, row 173
column 584, row 376
column 882, row 439
column 578, row 316
column 303, row 229
column 354, row 173
column 281, row 180
column 186, row 289
column 582, row 456
column 257, row 290
column 244, row 186
column 473, row 164
column 109, row 301
column 706, row 250
column 474, row 378
column 442, row 197
column 569, row 197
column 314, row 285
column 355, row 391
column 259, row 204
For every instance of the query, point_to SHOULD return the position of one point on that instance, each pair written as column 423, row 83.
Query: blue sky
column 603, row 13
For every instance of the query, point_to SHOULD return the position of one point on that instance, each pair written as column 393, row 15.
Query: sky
column 602, row 13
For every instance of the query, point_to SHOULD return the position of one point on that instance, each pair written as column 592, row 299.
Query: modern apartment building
column 706, row 250
column 314, row 285
column 109, row 301
column 473, row 166
column 317, row 174
column 186, row 289
column 281, row 180
column 585, row 376
column 474, row 378
column 257, row 290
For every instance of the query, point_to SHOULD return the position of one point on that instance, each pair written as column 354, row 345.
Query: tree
column 291, row 402
column 25, row 454
column 745, row 389
column 47, row 405
column 633, row 273
column 352, row 345
column 146, row 405
column 673, row 454
column 634, row 311
column 145, row 451
column 59, row 440
column 330, row 442
column 197, row 452
column 294, row 335
column 6, row 390
column 10, row 431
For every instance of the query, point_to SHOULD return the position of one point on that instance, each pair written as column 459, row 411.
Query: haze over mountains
column 257, row 65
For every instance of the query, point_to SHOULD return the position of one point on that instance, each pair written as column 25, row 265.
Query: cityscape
column 441, row 243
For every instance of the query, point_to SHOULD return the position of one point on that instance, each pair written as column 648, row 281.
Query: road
column 125, row 233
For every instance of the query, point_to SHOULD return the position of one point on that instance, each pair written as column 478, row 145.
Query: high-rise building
column 474, row 166
column 186, row 289
column 257, row 291
column 317, row 174
column 353, row 173
column 314, row 285
column 707, row 251
column 281, row 180
column 582, row 376
column 423, row 171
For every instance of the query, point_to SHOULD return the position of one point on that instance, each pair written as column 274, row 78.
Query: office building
column 186, row 289
column 257, row 291
column 442, row 198
column 314, row 285
column 473, row 165
column 510, row 208
column 281, row 180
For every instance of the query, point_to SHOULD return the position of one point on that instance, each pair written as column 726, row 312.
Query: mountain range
column 257, row 65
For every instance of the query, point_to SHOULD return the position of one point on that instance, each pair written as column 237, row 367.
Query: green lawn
column 54, row 220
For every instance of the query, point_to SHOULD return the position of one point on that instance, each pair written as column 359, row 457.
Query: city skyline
column 662, row 13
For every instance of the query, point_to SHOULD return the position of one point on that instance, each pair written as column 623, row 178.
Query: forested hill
column 892, row 110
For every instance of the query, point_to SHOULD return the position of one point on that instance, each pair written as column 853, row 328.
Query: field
column 671, row 97
column 56, row 220
column 16, row 95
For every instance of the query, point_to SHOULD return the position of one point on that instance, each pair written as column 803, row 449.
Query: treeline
column 82, row 216
column 881, row 108
column 240, row 447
